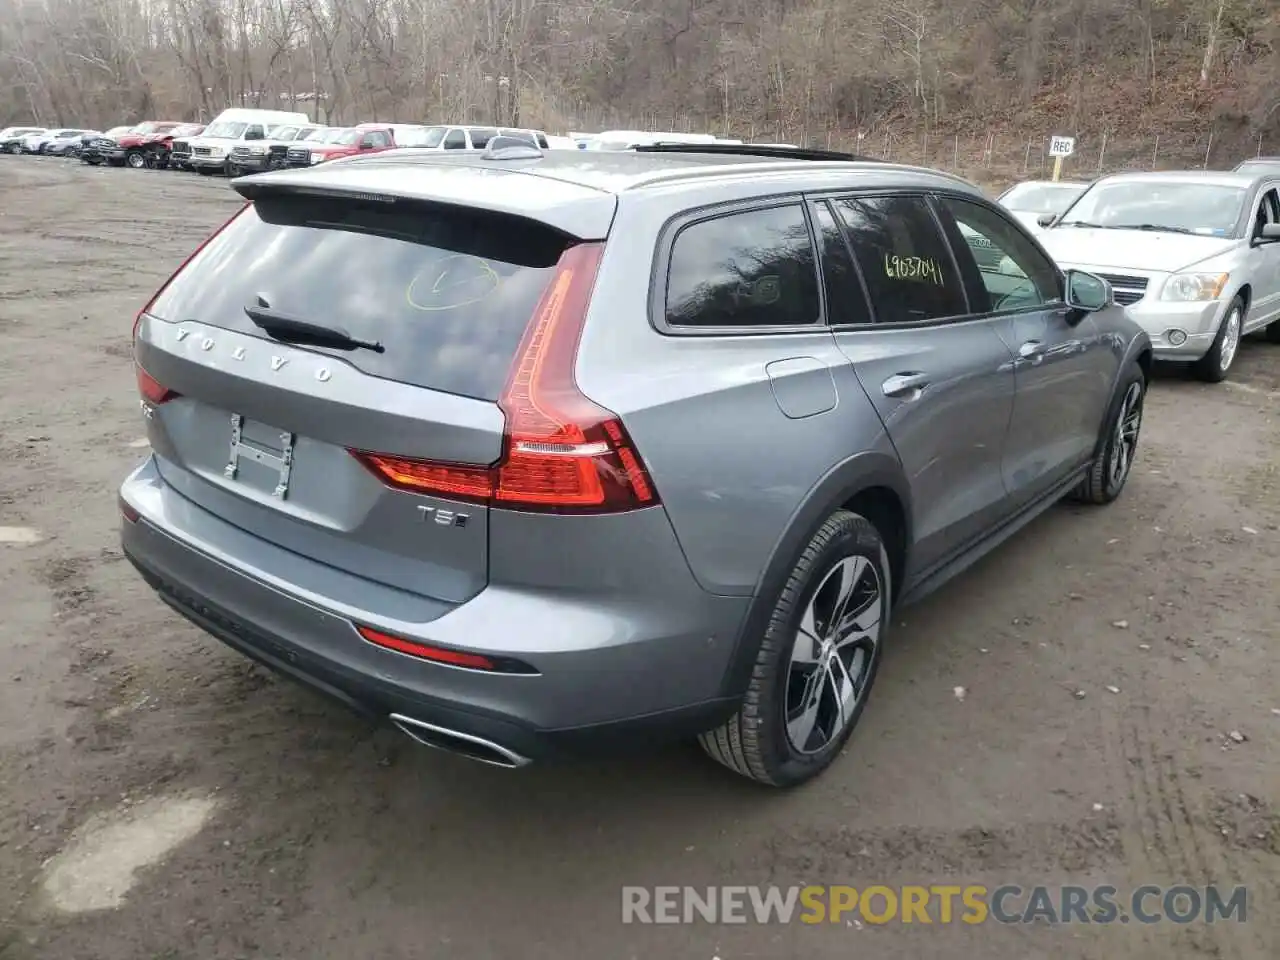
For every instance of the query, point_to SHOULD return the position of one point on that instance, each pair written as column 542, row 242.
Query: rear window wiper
column 281, row 326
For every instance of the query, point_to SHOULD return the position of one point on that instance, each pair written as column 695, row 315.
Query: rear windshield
column 1259, row 166
column 447, row 291
column 432, row 136
column 1041, row 197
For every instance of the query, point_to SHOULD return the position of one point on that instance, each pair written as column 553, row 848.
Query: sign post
column 1060, row 147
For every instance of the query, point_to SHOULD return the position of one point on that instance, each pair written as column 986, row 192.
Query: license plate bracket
column 253, row 442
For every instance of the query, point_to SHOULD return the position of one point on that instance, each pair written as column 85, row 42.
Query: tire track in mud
column 1169, row 839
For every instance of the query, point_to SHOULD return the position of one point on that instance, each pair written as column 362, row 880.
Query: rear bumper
column 609, row 686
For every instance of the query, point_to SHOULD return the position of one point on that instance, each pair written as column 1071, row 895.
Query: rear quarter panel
column 731, row 468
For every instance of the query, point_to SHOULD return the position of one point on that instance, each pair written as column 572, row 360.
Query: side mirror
column 1087, row 292
column 1046, row 219
column 1269, row 233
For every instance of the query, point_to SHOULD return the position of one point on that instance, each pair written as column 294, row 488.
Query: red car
column 133, row 148
column 159, row 144
column 366, row 138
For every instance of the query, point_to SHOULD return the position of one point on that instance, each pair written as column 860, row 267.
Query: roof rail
column 751, row 150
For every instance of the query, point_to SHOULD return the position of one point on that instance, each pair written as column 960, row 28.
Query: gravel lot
column 1107, row 657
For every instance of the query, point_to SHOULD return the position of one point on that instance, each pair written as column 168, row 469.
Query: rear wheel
column 817, row 662
column 1214, row 365
column 135, row 159
column 1110, row 471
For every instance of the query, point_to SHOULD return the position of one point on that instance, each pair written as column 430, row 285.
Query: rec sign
column 1062, row 146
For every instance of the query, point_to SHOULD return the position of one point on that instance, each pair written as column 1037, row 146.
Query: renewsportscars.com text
column 937, row 903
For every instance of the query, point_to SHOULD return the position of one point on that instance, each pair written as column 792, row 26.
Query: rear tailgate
column 262, row 432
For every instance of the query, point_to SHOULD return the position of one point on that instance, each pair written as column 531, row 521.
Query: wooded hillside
column 954, row 82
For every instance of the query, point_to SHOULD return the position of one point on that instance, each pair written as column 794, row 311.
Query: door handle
column 1031, row 350
column 903, row 384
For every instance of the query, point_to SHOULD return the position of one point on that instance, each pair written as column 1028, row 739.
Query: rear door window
column 749, row 269
column 846, row 298
column 904, row 258
column 447, row 291
column 455, row 140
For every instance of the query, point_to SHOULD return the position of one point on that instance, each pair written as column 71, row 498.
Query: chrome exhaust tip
column 463, row 744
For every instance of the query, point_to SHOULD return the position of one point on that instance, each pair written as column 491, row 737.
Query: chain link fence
column 993, row 159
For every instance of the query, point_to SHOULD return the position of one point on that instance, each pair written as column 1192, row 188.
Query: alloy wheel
column 136, row 160
column 1124, row 446
column 1230, row 340
column 834, row 654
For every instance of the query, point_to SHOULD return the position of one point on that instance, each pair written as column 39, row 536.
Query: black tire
column 206, row 171
column 135, row 159
column 1105, row 480
column 1210, row 368
column 13, row 149
column 755, row 741
column 1273, row 331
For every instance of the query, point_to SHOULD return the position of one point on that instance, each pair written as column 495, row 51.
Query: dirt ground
column 1120, row 721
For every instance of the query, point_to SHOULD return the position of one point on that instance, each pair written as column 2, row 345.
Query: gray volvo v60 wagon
column 538, row 453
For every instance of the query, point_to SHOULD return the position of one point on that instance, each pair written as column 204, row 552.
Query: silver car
column 534, row 455
column 1030, row 200
column 1194, row 257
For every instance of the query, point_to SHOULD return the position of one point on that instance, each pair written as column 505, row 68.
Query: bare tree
column 818, row 70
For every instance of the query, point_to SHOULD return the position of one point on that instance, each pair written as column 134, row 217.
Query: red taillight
column 127, row 511
column 562, row 451
column 456, row 658
column 152, row 390
column 137, row 320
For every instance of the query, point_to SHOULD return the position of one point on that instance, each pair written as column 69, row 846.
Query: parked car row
column 242, row 141
column 52, row 141
column 1193, row 256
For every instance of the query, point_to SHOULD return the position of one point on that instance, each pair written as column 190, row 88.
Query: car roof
column 625, row 170
column 1220, row 178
